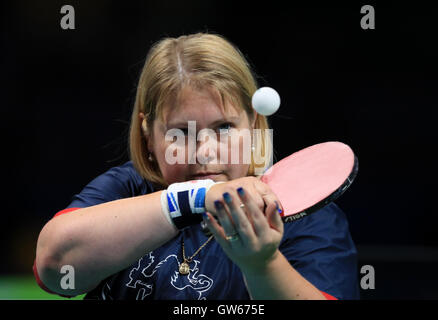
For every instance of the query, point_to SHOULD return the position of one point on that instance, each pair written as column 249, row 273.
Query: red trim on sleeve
column 41, row 284
column 65, row 211
column 328, row 297
column 35, row 272
column 38, row 280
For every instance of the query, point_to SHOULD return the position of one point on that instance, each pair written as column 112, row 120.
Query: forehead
column 192, row 103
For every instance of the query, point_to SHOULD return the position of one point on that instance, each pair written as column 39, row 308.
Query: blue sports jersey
column 319, row 247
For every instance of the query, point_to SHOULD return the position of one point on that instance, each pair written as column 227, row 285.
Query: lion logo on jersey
column 140, row 277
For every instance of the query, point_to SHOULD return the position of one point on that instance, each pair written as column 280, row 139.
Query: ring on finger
column 242, row 206
column 232, row 238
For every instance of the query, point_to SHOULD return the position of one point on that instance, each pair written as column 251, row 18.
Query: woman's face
column 200, row 157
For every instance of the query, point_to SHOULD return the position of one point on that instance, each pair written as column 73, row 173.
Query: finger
column 213, row 225
column 273, row 214
column 224, row 219
column 217, row 231
column 258, row 219
column 273, row 211
column 264, row 190
column 270, row 200
column 241, row 222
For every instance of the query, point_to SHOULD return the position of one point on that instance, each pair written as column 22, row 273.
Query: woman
column 132, row 233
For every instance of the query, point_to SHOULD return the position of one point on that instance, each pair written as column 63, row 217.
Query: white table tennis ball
column 266, row 101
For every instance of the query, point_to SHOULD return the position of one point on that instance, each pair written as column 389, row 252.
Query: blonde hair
column 200, row 59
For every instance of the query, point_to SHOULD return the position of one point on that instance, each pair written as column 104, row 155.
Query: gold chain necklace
column 184, row 267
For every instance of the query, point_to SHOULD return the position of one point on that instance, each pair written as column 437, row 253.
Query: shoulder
column 125, row 172
column 118, row 182
column 125, row 177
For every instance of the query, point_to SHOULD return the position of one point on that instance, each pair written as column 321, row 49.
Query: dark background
column 67, row 95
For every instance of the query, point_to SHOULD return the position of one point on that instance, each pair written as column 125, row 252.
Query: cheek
column 239, row 157
column 239, row 147
column 172, row 172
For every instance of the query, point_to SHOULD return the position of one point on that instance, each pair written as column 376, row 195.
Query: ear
column 253, row 120
column 146, row 132
column 142, row 119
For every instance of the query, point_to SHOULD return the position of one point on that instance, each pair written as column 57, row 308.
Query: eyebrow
column 184, row 123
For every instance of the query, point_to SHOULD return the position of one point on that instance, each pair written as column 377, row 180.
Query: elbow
column 46, row 273
column 50, row 247
column 50, row 257
column 58, row 268
column 50, row 278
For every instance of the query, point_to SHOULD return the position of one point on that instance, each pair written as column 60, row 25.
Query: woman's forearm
column 279, row 281
column 101, row 240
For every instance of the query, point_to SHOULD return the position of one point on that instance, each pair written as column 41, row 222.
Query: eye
column 185, row 131
column 225, row 127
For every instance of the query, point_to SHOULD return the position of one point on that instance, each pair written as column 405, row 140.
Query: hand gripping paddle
column 311, row 178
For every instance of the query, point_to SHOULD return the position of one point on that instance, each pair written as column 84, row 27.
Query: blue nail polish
column 278, row 208
column 205, row 216
column 240, row 191
column 227, row 197
column 218, row 205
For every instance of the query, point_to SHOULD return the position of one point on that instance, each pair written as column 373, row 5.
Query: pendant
column 184, row 268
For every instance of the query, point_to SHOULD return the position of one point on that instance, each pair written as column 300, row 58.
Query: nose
column 207, row 145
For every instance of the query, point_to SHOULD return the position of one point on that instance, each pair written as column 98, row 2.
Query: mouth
column 205, row 175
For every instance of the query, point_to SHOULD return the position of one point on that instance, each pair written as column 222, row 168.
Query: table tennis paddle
column 311, row 178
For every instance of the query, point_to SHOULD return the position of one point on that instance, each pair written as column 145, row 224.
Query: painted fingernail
column 240, row 191
column 278, row 207
column 205, row 216
column 227, row 197
column 218, row 205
